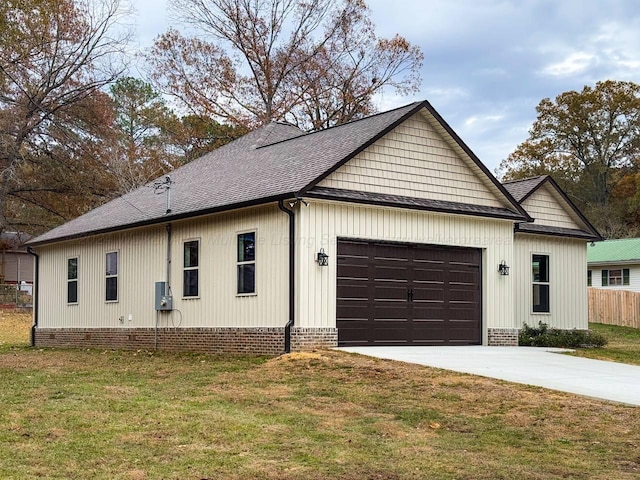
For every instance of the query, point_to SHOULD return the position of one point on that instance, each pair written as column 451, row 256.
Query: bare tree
column 55, row 56
column 314, row 63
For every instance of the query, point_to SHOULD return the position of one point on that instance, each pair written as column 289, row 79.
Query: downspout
column 36, row 286
column 292, row 272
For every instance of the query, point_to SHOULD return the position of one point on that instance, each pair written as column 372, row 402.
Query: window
column 72, row 280
column 619, row 276
column 247, row 263
column 540, row 280
column 112, row 277
column 589, row 281
column 190, row 273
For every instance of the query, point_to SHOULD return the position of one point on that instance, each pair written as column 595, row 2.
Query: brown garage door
column 403, row 294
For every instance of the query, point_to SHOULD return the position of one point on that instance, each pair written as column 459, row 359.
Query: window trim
column 69, row 280
column 625, row 277
column 547, row 283
column 250, row 262
column 197, row 268
column 116, row 276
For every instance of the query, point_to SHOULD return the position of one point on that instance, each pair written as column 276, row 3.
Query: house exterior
column 614, row 264
column 383, row 231
column 16, row 265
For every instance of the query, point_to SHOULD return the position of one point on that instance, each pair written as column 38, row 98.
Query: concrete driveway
column 543, row 367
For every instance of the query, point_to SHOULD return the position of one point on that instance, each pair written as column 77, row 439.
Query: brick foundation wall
column 312, row 338
column 236, row 341
column 503, row 337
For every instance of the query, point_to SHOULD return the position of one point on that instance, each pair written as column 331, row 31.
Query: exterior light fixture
column 322, row 258
column 503, row 268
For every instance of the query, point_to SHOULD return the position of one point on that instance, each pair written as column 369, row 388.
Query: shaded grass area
column 623, row 344
column 142, row 415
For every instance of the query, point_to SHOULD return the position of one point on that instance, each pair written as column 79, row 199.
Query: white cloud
column 574, row 64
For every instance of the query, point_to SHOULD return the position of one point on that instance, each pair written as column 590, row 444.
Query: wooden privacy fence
column 614, row 307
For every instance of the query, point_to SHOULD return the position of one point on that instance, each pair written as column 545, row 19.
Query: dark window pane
column 540, row 268
column 190, row 283
column 112, row 289
column 191, row 254
column 72, row 269
column 625, row 276
column 246, row 278
column 112, row 263
column 589, row 281
column 541, row 298
column 72, row 292
column 247, row 247
column 605, row 278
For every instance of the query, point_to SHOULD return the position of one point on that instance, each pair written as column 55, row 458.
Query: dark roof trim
column 412, row 203
column 362, row 147
column 167, row 219
column 550, row 180
column 534, row 229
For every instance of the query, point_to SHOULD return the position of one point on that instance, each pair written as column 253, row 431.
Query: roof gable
column 553, row 212
column 416, row 160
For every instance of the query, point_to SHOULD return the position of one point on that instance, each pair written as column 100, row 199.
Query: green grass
column 623, row 344
column 102, row 414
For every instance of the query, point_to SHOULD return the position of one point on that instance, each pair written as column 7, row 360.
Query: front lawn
column 141, row 415
column 623, row 344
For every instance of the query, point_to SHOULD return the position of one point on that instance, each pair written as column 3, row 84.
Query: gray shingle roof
column 412, row 202
column 274, row 162
column 556, row 231
column 520, row 189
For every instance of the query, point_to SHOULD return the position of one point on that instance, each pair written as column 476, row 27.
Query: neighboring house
column 16, row 265
column 383, row 231
column 614, row 264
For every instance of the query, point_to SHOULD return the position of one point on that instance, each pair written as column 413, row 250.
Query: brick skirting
column 237, row 341
column 503, row 337
column 311, row 338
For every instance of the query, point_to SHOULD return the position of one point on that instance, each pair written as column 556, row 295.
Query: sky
column 488, row 63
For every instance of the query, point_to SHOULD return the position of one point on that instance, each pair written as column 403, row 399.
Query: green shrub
column 543, row 336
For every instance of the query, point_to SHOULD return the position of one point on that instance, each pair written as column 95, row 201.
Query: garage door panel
column 396, row 294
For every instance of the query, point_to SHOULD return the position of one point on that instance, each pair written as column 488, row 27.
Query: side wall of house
column 634, row 277
column 322, row 223
column 567, row 281
column 217, row 320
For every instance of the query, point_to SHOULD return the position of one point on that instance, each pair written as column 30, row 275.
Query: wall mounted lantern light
column 503, row 268
column 323, row 258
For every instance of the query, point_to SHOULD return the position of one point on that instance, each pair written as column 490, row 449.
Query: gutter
column 292, row 270
column 36, row 286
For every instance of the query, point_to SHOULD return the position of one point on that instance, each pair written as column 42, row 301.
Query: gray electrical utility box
column 164, row 302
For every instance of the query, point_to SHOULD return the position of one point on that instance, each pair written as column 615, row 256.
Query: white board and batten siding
column 567, row 281
column 142, row 262
column 634, row 277
column 546, row 209
column 321, row 224
column 415, row 160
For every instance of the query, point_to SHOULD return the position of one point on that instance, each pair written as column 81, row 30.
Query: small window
column 72, row 280
column 619, row 276
column 589, row 281
column 540, row 280
column 190, row 266
column 112, row 277
column 247, row 263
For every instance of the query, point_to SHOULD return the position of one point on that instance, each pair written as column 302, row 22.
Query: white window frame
column 547, row 283
column 197, row 267
column 69, row 280
column 109, row 276
column 249, row 262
